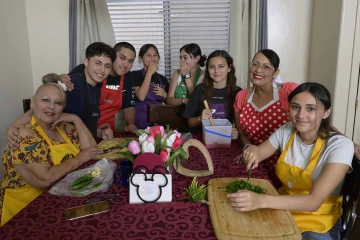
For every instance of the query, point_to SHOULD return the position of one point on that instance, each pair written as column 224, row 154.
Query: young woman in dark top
column 150, row 86
column 218, row 88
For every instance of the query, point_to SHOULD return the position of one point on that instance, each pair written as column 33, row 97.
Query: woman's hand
column 206, row 114
column 251, row 157
column 234, row 133
column 159, row 91
column 65, row 79
column 88, row 153
column 184, row 68
column 152, row 68
column 244, row 200
column 65, row 117
column 131, row 128
column 107, row 133
column 12, row 140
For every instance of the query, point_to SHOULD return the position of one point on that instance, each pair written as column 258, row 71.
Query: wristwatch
column 187, row 76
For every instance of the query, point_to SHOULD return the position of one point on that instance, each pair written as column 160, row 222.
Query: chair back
column 351, row 202
column 26, row 104
column 168, row 114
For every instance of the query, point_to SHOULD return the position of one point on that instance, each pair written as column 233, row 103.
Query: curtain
column 244, row 36
column 89, row 22
column 263, row 25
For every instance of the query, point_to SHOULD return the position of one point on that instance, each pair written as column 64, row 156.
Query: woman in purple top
column 218, row 89
column 150, row 86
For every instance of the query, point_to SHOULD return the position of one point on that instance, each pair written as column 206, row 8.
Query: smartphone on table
column 87, row 210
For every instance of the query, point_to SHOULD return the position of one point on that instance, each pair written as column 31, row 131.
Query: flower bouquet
column 164, row 142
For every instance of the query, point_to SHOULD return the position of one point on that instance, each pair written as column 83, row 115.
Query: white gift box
column 148, row 188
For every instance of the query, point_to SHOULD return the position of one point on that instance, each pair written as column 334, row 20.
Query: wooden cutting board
column 116, row 154
column 230, row 224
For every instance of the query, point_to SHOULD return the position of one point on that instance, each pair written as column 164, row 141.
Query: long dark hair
column 231, row 88
column 146, row 47
column 194, row 50
column 272, row 56
column 320, row 93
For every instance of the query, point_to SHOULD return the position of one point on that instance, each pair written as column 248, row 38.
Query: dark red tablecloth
column 44, row 217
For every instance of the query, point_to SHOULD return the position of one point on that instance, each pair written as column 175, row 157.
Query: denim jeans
column 332, row 234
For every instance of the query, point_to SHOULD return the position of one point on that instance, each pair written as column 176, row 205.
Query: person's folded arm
column 142, row 91
column 85, row 137
column 43, row 175
column 129, row 116
column 171, row 94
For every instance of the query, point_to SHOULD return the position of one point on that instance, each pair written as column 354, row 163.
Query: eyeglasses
column 265, row 68
column 98, row 198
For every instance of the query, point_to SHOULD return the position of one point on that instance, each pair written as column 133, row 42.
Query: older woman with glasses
column 263, row 108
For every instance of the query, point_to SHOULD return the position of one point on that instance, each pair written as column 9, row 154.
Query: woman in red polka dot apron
column 262, row 109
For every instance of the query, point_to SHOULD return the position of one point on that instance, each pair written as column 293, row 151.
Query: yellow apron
column 299, row 179
column 15, row 199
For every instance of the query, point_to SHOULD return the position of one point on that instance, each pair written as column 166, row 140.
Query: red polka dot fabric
column 260, row 124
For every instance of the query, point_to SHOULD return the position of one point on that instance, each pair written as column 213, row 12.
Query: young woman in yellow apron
column 311, row 167
column 44, row 154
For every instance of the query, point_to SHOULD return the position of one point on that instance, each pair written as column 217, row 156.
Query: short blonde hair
column 63, row 94
column 50, row 78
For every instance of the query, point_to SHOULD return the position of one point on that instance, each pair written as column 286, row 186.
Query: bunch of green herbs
column 243, row 185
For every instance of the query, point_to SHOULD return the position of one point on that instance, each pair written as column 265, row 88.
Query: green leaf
column 183, row 154
column 157, row 143
column 96, row 185
column 140, row 132
column 172, row 158
column 169, row 134
column 196, row 192
column 129, row 156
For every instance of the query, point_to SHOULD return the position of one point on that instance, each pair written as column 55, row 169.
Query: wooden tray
column 230, row 224
column 116, row 154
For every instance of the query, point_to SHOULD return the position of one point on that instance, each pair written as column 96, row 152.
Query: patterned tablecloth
column 44, row 217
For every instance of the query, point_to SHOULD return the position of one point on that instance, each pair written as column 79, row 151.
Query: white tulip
column 148, row 147
column 143, row 138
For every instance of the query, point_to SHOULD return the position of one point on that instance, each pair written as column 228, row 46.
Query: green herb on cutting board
column 243, row 185
column 196, row 192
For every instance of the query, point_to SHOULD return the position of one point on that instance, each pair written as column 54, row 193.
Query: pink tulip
column 162, row 130
column 163, row 154
column 134, row 147
column 154, row 131
column 150, row 139
column 177, row 143
column 177, row 133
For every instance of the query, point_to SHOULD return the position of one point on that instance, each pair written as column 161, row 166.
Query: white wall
column 48, row 24
column 325, row 42
column 289, row 24
column 15, row 68
column 34, row 41
column 331, row 56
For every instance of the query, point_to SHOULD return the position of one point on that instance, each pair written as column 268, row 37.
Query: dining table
column 44, row 217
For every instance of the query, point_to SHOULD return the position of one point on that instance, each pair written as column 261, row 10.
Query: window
column 171, row 24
